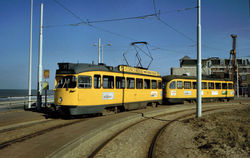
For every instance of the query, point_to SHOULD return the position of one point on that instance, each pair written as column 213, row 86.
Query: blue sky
column 65, row 43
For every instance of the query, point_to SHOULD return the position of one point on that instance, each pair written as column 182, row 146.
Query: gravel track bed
column 130, row 143
column 135, row 141
column 221, row 134
column 88, row 135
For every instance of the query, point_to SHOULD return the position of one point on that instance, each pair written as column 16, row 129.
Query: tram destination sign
column 138, row 70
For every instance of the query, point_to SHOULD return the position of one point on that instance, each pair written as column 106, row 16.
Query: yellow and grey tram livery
column 178, row 89
column 87, row 88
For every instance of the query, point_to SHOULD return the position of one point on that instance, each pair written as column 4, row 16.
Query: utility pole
column 30, row 55
column 39, row 82
column 102, row 49
column 198, row 100
column 102, row 52
column 99, row 49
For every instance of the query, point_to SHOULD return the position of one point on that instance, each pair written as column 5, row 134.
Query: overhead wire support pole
column 198, row 100
column 39, row 83
column 30, row 56
column 102, row 52
column 99, row 49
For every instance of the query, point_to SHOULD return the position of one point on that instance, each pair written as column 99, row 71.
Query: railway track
column 86, row 138
column 151, row 152
column 151, row 149
column 21, row 125
column 56, row 124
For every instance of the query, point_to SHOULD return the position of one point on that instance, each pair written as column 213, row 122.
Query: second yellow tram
column 178, row 89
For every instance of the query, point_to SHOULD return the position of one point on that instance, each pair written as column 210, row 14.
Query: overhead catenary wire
column 179, row 32
column 127, row 18
column 101, row 21
column 72, row 13
column 89, row 23
column 179, row 10
column 165, row 23
column 98, row 28
column 176, row 30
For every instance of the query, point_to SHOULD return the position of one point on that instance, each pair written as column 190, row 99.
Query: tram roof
column 75, row 68
column 171, row 77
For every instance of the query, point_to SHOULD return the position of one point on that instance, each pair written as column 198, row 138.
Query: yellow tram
column 88, row 88
column 178, row 89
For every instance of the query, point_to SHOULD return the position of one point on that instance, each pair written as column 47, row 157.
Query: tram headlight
column 60, row 99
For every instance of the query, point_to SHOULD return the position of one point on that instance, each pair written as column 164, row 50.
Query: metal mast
column 30, row 55
column 234, row 65
column 39, row 84
column 99, row 49
column 198, row 100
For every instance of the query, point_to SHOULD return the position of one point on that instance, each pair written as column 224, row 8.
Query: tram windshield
column 66, row 82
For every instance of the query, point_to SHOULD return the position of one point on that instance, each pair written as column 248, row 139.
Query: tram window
column 204, row 85
column 230, row 86
column 60, row 83
column 97, row 81
column 67, row 82
column 120, row 82
column 139, row 83
column 179, row 85
column 130, row 83
column 217, row 85
column 210, row 85
column 224, row 85
column 108, row 82
column 172, row 85
column 187, row 85
column 194, row 85
column 84, row 81
column 146, row 84
column 154, row 84
column 159, row 85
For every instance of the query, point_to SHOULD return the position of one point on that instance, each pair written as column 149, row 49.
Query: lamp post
column 100, row 50
column 30, row 55
column 198, row 100
column 40, row 68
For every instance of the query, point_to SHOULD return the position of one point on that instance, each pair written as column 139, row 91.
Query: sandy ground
column 223, row 134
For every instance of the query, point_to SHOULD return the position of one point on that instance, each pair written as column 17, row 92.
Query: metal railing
column 11, row 102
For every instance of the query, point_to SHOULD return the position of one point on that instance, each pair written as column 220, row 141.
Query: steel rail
column 105, row 143
column 38, row 133
column 115, row 135
column 151, row 152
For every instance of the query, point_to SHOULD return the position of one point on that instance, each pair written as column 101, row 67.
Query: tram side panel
column 180, row 90
column 92, row 92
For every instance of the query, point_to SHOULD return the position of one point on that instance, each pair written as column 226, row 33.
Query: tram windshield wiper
column 67, row 82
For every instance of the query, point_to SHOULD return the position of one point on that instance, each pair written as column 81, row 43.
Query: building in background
column 216, row 67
